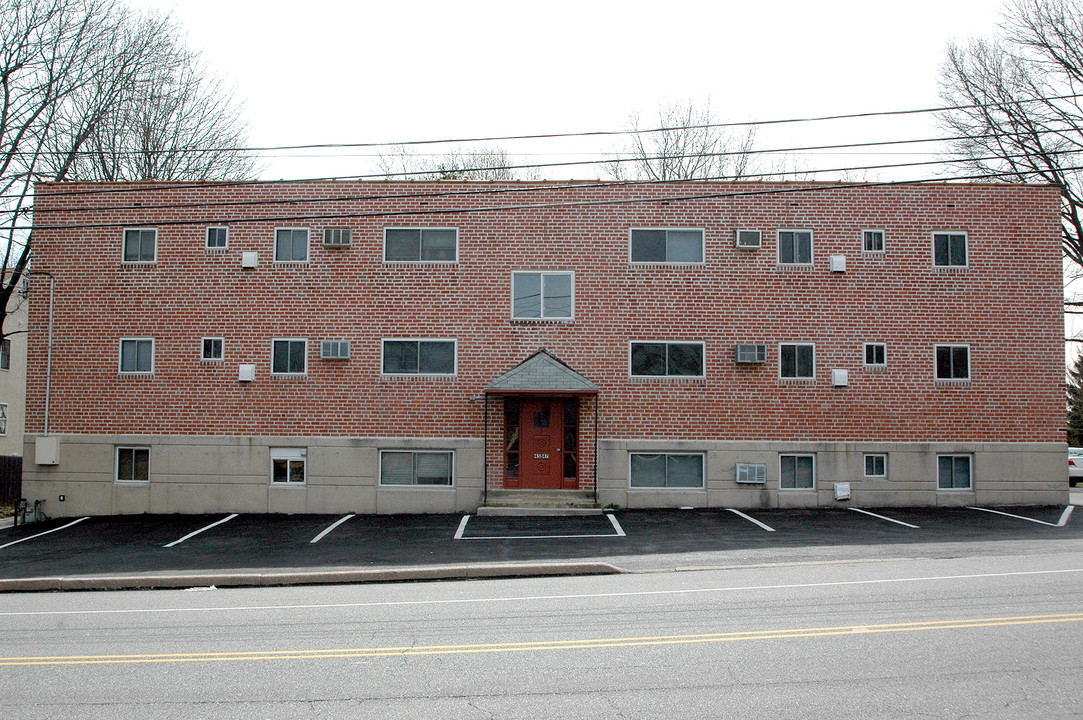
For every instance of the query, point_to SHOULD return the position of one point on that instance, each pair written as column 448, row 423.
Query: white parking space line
column 202, row 529
column 884, row 517
column 753, row 520
column 62, row 527
column 1060, row 523
column 329, row 529
column 616, row 525
column 466, row 518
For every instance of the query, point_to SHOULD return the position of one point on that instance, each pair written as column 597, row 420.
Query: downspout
column 49, row 352
column 597, row 397
column 485, row 455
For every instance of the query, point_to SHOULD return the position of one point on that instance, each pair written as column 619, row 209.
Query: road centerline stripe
column 31, row 537
column 884, row 517
column 329, row 529
column 202, row 529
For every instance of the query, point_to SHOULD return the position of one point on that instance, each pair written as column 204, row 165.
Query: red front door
column 542, row 459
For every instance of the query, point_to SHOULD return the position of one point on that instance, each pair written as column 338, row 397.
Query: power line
column 538, row 206
column 605, row 133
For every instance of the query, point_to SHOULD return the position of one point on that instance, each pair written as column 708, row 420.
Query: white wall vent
column 747, row 239
column 335, row 350
column 249, row 259
column 842, row 491
column 752, row 353
column 246, row 373
column 838, row 263
column 840, row 378
column 336, row 237
column 751, row 473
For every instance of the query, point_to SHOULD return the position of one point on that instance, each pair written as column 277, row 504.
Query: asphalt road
column 990, row 637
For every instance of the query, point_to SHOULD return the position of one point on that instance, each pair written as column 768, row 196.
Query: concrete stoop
column 540, row 502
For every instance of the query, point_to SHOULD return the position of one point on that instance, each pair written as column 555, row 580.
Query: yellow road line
column 958, row 624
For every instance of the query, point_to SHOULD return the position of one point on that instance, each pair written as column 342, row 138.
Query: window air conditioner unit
column 753, row 474
column 752, row 353
column 335, row 350
column 336, row 237
column 748, row 239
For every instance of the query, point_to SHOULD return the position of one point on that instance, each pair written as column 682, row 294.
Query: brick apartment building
column 418, row 346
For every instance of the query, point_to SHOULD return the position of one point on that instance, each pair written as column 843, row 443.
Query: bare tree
column 481, row 163
column 686, row 144
column 89, row 90
column 1021, row 117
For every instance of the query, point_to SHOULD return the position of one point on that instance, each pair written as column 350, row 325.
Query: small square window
column 3, row 418
column 212, row 349
column 797, row 472
column 795, row 247
column 667, row 246
column 953, row 472
column 140, row 245
column 137, row 355
column 872, row 241
column 797, row 361
column 133, row 464
column 421, row 245
column 952, row 362
column 288, row 357
column 291, row 245
column 542, row 295
column 876, row 466
column 875, row 355
column 217, row 238
column 288, row 466
column 949, row 249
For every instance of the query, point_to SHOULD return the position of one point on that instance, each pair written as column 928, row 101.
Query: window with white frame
column 797, row 472
column 875, row 355
column 795, row 247
column 5, row 354
column 133, row 464
column 3, row 418
column 217, row 238
column 137, row 355
column 875, row 465
column 667, row 359
column 666, row 245
column 140, row 245
column 953, row 472
column 797, row 361
column 952, row 362
column 666, row 470
column 288, row 466
column 421, row 244
column 416, row 467
column 542, row 295
column 418, row 357
column 212, row 349
column 291, row 245
column 289, row 356
column 872, row 241
column 949, row 249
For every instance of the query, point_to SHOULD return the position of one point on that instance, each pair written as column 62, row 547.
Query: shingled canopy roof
column 541, row 373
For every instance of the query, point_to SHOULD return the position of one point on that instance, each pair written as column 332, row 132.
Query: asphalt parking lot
column 158, row 545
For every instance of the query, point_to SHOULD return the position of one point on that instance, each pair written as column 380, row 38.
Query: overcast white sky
column 333, row 71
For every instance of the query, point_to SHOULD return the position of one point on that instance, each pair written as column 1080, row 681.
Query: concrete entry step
column 540, row 502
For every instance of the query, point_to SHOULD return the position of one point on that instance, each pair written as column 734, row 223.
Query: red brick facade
column 1004, row 305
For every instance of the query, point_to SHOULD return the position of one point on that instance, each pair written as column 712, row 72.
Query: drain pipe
column 48, row 348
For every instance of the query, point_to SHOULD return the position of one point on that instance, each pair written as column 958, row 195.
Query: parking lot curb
column 306, row 577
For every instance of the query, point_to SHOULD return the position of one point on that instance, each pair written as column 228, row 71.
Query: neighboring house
column 414, row 346
column 13, row 378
